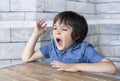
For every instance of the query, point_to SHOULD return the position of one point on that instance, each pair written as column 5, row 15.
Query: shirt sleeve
column 45, row 50
column 91, row 55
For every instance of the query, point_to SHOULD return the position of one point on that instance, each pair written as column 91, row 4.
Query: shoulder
column 86, row 47
column 85, row 44
column 82, row 45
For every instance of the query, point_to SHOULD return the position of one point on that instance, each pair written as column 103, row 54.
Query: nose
column 58, row 31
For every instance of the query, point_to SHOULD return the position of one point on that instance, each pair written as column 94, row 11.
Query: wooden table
column 37, row 71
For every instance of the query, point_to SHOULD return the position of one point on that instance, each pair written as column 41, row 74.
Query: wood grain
column 37, row 71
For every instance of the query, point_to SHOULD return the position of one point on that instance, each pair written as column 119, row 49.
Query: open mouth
column 59, row 41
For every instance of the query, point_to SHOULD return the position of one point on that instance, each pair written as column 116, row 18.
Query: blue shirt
column 77, row 53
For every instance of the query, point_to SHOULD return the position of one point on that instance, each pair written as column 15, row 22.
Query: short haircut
column 76, row 21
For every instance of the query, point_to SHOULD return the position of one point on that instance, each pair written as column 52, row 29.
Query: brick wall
column 16, row 10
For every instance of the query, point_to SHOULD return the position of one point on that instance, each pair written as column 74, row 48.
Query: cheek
column 67, row 37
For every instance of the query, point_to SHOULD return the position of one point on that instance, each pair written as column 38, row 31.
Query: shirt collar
column 74, row 46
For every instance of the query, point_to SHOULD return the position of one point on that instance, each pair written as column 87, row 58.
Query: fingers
column 41, row 24
column 58, row 65
column 63, row 67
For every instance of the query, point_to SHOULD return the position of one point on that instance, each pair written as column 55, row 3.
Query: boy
column 67, row 51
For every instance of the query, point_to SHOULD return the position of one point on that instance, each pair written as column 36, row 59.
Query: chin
column 60, row 48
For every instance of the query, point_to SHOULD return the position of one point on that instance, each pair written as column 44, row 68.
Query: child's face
column 62, row 36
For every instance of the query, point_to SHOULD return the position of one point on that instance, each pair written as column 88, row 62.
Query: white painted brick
column 98, row 1
column 4, row 24
column 16, row 61
column 9, row 62
column 108, row 8
column 4, row 34
column 55, row 5
column 106, row 50
column 31, row 15
column 4, row 63
column 47, row 35
column 21, row 34
column 27, row 5
column 80, row 7
column 117, row 50
column 116, row 16
column 108, row 40
column 79, row 0
column 35, row 16
column 118, row 67
column 96, row 40
column 119, row 36
column 103, row 16
column 21, row 24
column 114, row 59
column 90, row 39
column 88, row 16
column 89, row 1
column 12, row 16
column 109, row 29
column 107, row 16
column 46, row 16
column 99, row 22
column 4, row 5
column 93, row 1
column 11, row 50
column 92, row 29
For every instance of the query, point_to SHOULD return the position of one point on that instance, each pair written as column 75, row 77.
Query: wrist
column 77, row 67
column 36, row 34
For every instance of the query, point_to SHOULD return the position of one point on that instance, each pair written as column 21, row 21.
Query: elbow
column 113, row 70
column 25, row 60
column 111, row 67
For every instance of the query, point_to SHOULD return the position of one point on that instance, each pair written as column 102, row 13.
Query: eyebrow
column 62, row 26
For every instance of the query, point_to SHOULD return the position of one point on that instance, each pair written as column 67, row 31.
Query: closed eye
column 54, row 28
column 65, row 29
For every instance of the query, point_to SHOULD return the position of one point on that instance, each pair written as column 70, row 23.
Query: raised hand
column 40, row 27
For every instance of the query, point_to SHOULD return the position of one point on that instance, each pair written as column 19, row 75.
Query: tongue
column 59, row 42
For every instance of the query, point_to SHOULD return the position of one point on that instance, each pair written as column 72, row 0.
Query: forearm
column 29, row 49
column 104, row 67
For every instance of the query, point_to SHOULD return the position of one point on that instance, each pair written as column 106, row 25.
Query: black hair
column 76, row 21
